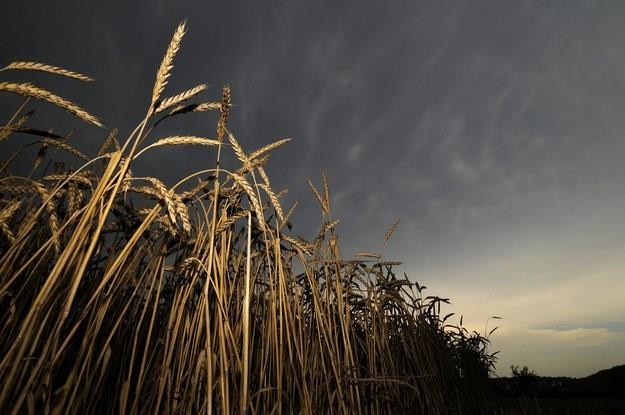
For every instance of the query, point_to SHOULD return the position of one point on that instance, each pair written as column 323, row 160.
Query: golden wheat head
column 42, row 67
column 168, row 63
column 31, row 90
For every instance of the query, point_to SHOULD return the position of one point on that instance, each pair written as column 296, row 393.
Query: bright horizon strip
column 557, row 329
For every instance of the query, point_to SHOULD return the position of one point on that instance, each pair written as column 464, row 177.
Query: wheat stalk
column 186, row 196
column 8, row 233
column 5, row 132
column 368, row 254
column 168, row 63
column 330, row 225
column 238, row 151
column 301, row 245
column 185, row 140
column 74, row 198
column 146, row 190
column 9, row 210
column 231, row 220
column 208, row 106
column 201, row 107
column 166, row 196
column 224, row 112
column 5, row 216
column 318, row 197
column 255, row 164
column 42, row 67
column 66, row 147
column 268, row 148
column 173, row 202
column 325, row 228
column 80, row 177
column 391, row 230
column 16, row 189
column 110, row 141
column 180, row 140
column 178, row 98
column 326, row 190
column 183, row 213
column 41, row 154
column 274, row 201
column 288, row 215
column 251, row 194
column 31, row 90
column 263, row 174
column 389, row 264
column 53, row 219
column 127, row 180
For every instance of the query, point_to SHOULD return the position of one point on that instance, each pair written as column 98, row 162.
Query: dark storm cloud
column 494, row 130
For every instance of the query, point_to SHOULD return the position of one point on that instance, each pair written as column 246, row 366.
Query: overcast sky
column 494, row 130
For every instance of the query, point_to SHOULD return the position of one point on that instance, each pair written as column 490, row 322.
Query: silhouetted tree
column 524, row 379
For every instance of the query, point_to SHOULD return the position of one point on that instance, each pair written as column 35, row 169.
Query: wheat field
column 122, row 294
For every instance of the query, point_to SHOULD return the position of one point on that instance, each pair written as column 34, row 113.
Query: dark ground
column 600, row 393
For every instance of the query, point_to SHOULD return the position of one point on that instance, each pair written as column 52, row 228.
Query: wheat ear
column 9, row 210
column 66, row 147
column 42, row 67
column 369, row 254
column 231, row 220
column 274, row 201
column 195, row 107
column 31, row 90
column 251, row 194
column 168, row 63
column 326, row 227
column 390, row 231
column 224, row 111
column 180, row 140
column 326, row 190
column 288, row 215
column 268, row 148
column 6, row 131
column 238, row 151
column 181, row 97
column 318, row 196
column 110, row 141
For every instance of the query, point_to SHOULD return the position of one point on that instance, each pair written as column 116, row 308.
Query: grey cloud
column 612, row 326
